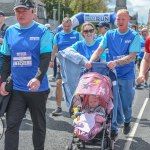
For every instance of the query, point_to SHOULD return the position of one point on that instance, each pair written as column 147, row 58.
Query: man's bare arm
column 96, row 54
column 55, row 50
column 124, row 60
column 145, row 64
column 127, row 59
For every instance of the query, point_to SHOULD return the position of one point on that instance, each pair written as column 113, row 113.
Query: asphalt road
column 59, row 129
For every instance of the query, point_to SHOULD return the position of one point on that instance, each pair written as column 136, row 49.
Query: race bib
column 22, row 59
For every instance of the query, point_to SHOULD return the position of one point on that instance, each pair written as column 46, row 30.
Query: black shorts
column 58, row 76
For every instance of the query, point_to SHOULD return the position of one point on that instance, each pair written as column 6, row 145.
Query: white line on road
column 50, row 75
column 29, row 124
column 131, row 135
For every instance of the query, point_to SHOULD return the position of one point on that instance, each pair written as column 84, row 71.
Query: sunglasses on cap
column 88, row 31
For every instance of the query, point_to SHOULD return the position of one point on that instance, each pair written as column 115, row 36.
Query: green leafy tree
column 57, row 4
column 89, row 6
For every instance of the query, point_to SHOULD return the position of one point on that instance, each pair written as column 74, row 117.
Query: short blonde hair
column 123, row 11
column 66, row 19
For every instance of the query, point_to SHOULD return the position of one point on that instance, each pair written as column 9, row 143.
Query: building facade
column 7, row 7
column 120, row 4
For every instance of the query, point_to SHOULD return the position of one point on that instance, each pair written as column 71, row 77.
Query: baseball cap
column 24, row 3
column 2, row 13
column 103, row 24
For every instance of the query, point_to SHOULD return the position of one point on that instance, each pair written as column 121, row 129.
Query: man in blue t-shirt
column 123, row 44
column 102, row 27
column 26, row 54
column 62, row 40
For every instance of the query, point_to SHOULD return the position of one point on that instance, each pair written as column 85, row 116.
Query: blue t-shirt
column 120, row 45
column 51, row 38
column 87, row 50
column 64, row 40
column 25, row 45
column 141, row 54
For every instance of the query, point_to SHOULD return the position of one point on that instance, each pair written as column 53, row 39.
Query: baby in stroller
column 90, row 120
column 91, row 104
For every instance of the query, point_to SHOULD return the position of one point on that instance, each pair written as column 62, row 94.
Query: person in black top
column 3, row 28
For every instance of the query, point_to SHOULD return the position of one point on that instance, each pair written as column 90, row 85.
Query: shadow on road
column 137, row 144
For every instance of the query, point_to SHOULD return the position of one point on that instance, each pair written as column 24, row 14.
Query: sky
column 140, row 6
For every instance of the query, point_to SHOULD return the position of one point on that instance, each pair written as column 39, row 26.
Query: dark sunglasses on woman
column 88, row 31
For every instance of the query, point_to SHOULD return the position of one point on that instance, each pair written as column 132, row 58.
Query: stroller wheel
column 112, row 146
column 81, row 145
column 107, row 144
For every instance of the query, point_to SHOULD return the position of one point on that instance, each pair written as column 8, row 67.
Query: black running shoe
column 57, row 112
column 126, row 128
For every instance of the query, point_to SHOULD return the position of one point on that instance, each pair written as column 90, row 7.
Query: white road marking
column 29, row 124
column 1, row 128
column 50, row 75
column 131, row 135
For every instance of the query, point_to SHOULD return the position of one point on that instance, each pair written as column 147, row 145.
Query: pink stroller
column 92, row 124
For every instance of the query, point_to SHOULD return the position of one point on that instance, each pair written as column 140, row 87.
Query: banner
column 81, row 17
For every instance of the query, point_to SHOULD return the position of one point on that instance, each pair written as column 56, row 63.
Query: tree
column 88, row 5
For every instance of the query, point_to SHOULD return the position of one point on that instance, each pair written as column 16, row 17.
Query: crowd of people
column 32, row 48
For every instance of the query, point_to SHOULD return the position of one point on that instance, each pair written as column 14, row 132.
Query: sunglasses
column 88, row 31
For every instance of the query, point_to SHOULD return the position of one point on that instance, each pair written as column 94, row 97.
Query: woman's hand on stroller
column 88, row 65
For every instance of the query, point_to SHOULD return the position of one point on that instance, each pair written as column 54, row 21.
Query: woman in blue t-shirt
column 87, row 46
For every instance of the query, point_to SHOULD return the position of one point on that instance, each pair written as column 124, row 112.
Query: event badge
column 22, row 59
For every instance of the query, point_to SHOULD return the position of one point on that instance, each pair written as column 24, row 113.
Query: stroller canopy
column 93, row 83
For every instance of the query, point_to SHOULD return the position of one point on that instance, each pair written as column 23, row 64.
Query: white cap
column 48, row 25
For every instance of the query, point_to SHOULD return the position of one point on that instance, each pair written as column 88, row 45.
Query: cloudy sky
column 140, row 6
